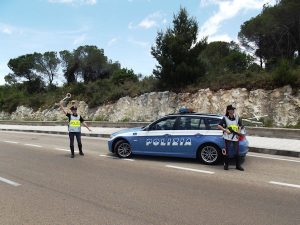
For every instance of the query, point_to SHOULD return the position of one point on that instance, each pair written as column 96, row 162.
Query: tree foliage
column 69, row 65
column 123, row 75
column 47, row 65
column 23, row 67
column 221, row 57
column 275, row 33
column 184, row 63
column 177, row 51
column 93, row 64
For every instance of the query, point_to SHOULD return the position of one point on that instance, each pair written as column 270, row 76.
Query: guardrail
column 253, row 131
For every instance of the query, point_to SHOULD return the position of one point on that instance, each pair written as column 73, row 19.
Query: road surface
column 41, row 184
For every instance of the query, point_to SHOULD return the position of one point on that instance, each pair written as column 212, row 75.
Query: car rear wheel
column 123, row 149
column 209, row 154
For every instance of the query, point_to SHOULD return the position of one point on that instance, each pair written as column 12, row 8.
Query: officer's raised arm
column 62, row 107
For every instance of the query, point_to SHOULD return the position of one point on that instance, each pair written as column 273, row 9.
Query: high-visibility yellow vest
column 234, row 124
column 74, row 124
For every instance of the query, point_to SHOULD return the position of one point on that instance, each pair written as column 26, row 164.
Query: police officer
column 230, row 124
column 74, row 127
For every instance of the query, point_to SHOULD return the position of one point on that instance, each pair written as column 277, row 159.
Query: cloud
column 31, row 35
column 74, row 2
column 153, row 20
column 7, row 29
column 139, row 43
column 112, row 42
column 147, row 23
column 227, row 9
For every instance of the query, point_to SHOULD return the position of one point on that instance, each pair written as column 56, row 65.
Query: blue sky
column 125, row 29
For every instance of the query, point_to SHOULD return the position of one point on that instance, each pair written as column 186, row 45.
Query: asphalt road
column 40, row 184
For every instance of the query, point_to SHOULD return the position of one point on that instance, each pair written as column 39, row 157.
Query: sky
column 125, row 29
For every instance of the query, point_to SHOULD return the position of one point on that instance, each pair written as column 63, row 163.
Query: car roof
column 196, row 114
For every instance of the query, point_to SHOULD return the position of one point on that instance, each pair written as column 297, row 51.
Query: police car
column 188, row 135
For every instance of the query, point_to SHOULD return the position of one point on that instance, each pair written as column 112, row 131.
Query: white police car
column 188, row 135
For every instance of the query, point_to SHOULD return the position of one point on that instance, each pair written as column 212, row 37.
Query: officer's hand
column 228, row 131
column 224, row 151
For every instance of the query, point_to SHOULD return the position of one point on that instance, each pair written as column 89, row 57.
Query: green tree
column 93, row 64
column 177, row 52
column 23, row 67
column 221, row 57
column 123, row 75
column 275, row 33
column 47, row 65
column 70, row 66
column 10, row 79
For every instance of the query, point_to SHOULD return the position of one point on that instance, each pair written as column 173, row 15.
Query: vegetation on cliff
column 267, row 57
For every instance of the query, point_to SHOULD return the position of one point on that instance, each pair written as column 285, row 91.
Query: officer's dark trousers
column 236, row 147
column 78, row 138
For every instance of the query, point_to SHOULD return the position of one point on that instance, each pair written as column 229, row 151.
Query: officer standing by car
column 74, row 127
column 231, row 125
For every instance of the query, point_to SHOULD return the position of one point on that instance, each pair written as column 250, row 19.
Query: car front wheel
column 209, row 154
column 123, row 149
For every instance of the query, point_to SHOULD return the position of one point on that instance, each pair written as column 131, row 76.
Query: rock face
column 282, row 106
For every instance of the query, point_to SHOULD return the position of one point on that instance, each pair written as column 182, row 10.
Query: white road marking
column 189, row 169
column 11, row 142
column 37, row 146
column 275, row 158
column 9, row 182
column 108, row 156
column 285, row 184
column 62, row 149
column 128, row 159
column 113, row 157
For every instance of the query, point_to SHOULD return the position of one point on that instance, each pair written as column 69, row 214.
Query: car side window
column 164, row 124
column 191, row 123
column 212, row 123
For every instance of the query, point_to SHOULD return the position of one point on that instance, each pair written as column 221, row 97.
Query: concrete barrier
column 253, row 131
column 62, row 123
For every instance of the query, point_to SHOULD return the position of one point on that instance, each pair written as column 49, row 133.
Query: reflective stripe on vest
column 234, row 124
column 74, row 124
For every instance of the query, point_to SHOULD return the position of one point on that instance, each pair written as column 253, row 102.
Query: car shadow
column 168, row 159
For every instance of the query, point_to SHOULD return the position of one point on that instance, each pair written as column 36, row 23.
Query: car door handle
column 198, row 134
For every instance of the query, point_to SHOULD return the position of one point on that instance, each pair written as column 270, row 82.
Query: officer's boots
column 72, row 151
column 80, row 149
column 238, row 163
column 226, row 162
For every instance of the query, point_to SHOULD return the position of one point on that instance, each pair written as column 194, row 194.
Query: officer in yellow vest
column 231, row 121
column 74, row 127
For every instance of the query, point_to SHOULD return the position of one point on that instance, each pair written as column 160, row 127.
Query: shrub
column 283, row 74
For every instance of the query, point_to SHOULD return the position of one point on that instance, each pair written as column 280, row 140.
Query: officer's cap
column 230, row 107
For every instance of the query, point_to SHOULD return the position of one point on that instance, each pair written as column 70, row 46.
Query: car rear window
column 212, row 123
column 191, row 123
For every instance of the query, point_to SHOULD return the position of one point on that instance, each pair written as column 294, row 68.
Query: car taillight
column 242, row 137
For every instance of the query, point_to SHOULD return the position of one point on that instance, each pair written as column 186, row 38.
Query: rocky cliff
column 282, row 106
